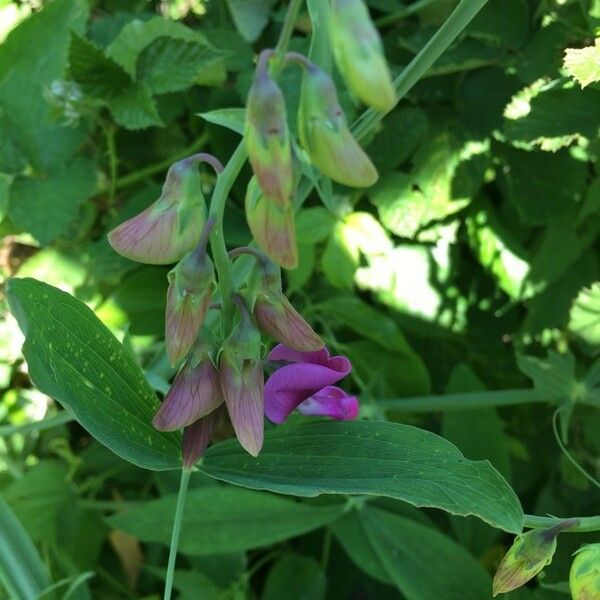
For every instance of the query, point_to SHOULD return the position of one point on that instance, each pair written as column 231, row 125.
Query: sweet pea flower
column 306, row 384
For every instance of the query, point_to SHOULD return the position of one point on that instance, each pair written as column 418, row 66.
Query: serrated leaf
column 372, row 458
column 135, row 108
column 45, row 206
column 97, row 74
column 583, row 64
column 74, row 358
column 170, row 65
column 224, row 519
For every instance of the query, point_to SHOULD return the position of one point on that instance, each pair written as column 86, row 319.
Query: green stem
column 288, row 27
column 224, row 184
column 454, row 25
column 467, row 401
column 150, row 170
column 185, row 479
column 585, row 523
column 111, row 150
column 411, row 9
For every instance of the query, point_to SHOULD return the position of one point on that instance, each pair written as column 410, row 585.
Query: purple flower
column 307, row 384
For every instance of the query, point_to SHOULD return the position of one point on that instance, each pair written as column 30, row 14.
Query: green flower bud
column 170, row 227
column 529, row 554
column 272, row 226
column 359, row 54
column 584, row 578
column 324, row 133
column 267, row 135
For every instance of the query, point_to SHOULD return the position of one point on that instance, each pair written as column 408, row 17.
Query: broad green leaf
column 313, row 225
column 171, row 65
column 5, row 183
column 375, row 458
column 554, row 376
column 38, row 497
column 232, row 118
column 585, row 315
column 26, row 71
column 421, row 562
column 193, row 585
column 224, row 519
column 46, row 206
column 135, row 108
column 340, row 258
column 295, row 578
column 502, row 22
column 75, row 359
column 584, row 63
column 250, row 16
column 22, row 571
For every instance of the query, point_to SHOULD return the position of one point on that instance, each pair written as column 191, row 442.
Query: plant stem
column 185, row 479
column 288, row 27
column 111, row 150
column 150, row 170
column 585, row 523
column 411, row 9
column 224, row 184
column 422, row 62
column 466, row 401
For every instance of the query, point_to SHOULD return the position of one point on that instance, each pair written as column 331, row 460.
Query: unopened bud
column 242, row 383
column 528, row 555
column 170, row 227
column 324, row 133
column 359, row 54
column 584, row 577
column 267, row 135
column 279, row 319
column 194, row 394
column 272, row 226
column 191, row 285
column 197, row 437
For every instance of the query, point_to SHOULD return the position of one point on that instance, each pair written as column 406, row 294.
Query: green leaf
column 27, row 68
column 75, row 359
column 97, row 74
column 421, row 562
column 584, row 63
column 135, row 108
column 38, row 497
column 250, row 16
column 295, row 578
column 224, row 519
column 375, row 458
column 231, row 118
column 46, row 206
column 5, row 183
column 170, row 65
column 313, row 225
column 554, row 376
column 22, row 571
column 502, row 22
column 585, row 315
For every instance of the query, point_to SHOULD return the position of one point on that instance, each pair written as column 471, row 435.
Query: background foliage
column 471, row 266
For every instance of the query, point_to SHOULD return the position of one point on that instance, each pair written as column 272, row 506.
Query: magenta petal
column 291, row 385
column 331, row 402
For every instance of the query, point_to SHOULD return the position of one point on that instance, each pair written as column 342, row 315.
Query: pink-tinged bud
column 584, row 577
column 359, row 54
column 242, row 383
column 272, row 226
column 195, row 393
column 325, row 136
column 198, row 436
column 267, row 135
column 170, row 227
column 191, row 285
column 529, row 554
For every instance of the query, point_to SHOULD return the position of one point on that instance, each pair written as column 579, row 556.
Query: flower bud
column 191, row 285
column 584, row 578
column 325, row 136
column 279, row 319
column 170, row 227
column 197, row 436
column 359, row 54
column 242, row 383
column 267, row 135
column 272, row 226
column 195, row 393
column 529, row 554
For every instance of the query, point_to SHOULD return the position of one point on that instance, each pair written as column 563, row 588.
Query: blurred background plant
column 467, row 273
